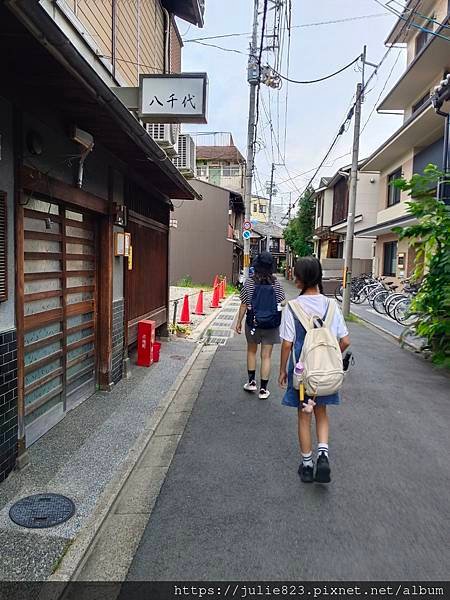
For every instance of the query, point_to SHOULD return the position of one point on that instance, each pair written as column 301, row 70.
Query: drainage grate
column 42, row 510
column 221, row 341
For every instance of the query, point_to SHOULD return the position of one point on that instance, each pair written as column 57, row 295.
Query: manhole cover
column 42, row 510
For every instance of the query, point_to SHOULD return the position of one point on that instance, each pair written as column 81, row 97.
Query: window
column 340, row 201
column 393, row 192
column 202, row 171
column 255, row 208
column 230, row 171
column 423, row 37
column 275, row 245
column 420, row 102
column 319, row 206
column 3, row 249
column 390, row 259
column 262, row 209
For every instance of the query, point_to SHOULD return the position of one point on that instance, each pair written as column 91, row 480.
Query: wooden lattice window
column 3, row 248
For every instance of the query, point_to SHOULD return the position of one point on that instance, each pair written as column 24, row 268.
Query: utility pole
column 253, row 76
column 269, row 215
column 352, row 195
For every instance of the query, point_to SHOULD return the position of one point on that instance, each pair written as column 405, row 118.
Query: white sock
column 307, row 459
column 321, row 447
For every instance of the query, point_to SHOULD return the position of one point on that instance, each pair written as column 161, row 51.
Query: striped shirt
column 249, row 288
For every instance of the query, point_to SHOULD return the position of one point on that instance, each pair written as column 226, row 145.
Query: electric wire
column 412, row 23
column 350, row 114
column 319, row 23
column 355, row 60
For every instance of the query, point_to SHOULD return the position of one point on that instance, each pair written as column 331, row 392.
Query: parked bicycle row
column 384, row 296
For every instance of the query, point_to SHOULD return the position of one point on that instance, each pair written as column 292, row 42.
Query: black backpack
column 264, row 312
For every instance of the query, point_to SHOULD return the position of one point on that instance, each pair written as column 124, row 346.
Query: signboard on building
column 173, row 98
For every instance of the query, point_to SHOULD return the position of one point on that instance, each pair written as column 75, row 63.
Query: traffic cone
column 199, row 308
column 185, row 313
column 224, row 287
column 216, row 281
column 221, row 290
column 216, row 298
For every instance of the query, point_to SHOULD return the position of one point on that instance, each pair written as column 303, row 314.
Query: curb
column 81, row 545
column 397, row 338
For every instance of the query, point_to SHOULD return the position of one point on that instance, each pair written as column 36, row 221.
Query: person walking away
column 318, row 311
column 262, row 298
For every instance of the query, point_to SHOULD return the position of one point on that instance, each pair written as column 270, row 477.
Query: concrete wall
column 199, row 246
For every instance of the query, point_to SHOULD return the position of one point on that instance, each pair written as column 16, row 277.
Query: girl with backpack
column 261, row 299
column 315, row 323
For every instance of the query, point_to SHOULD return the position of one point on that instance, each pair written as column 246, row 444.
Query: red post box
column 146, row 339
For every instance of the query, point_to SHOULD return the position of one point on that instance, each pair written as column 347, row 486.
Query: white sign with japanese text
column 175, row 98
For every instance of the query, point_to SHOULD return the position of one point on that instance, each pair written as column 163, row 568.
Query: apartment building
column 221, row 163
column 332, row 197
column 77, row 172
column 260, row 209
column 419, row 141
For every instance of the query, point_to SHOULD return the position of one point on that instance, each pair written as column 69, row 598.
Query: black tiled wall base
column 117, row 340
column 8, row 403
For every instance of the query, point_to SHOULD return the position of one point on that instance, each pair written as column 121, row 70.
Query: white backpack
column 321, row 355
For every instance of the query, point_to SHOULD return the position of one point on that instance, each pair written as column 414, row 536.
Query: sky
column 315, row 112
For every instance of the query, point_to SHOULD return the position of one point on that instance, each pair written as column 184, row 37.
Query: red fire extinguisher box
column 146, row 339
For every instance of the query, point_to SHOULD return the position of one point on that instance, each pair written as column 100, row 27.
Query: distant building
column 258, row 242
column 260, row 209
column 221, row 164
column 206, row 237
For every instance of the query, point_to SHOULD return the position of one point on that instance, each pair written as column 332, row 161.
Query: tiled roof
column 230, row 153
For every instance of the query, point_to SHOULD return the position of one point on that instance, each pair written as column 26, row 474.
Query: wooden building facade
column 70, row 308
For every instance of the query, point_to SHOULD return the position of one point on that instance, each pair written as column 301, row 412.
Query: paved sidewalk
column 233, row 507
column 78, row 458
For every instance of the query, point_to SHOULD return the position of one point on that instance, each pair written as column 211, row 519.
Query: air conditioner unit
column 185, row 161
column 165, row 135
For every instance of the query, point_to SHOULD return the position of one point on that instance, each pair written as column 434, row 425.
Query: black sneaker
column 323, row 471
column 306, row 473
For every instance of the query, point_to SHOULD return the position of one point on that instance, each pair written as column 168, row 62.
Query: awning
column 387, row 226
column 418, row 132
column 39, row 63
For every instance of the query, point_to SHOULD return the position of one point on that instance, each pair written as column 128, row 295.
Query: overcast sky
column 315, row 112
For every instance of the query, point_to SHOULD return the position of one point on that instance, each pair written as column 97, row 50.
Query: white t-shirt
column 315, row 306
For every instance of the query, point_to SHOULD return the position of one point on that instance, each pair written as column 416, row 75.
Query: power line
column 316, row 24
column 412, row 23
column 350, row 114
column 321, row 78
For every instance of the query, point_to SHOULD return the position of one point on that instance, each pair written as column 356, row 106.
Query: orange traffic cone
column 185, row 313
column 224, row 287
column 216, row 298
column 216, row 281
column 199, row 308
column 221, row 290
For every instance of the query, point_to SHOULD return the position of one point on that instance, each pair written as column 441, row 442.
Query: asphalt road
column 234, row 508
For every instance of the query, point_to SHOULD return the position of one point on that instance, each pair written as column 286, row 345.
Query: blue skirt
column 291, row 398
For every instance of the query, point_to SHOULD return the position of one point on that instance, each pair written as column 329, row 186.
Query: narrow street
column 233, row 507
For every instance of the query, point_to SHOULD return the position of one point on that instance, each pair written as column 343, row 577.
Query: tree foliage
column 431, row 239
column 299, row 232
